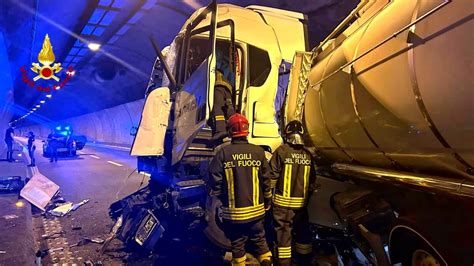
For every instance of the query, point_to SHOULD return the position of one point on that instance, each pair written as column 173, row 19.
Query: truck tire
column 212, row 231
column 412, row 249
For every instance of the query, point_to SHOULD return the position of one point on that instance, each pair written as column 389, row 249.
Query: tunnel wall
column 6, row 88
column 110, row 126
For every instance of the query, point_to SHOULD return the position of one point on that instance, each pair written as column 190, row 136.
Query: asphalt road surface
column 102, row 175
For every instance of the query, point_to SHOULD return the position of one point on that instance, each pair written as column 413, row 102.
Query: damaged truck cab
column 256, row 45
column 257, row 40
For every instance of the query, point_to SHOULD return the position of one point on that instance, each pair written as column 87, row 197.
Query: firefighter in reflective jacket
column 239, row 176
column 293, row 178
column 223, row 108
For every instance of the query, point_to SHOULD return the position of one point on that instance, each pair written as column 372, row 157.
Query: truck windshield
column 171, row 58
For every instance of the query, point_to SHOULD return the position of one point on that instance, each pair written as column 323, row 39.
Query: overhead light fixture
column 34, row 109
column 49, row 96
column 42, row 101
column 38, row 106
column 94, row 46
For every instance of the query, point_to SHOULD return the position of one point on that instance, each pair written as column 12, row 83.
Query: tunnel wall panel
column 110, row 125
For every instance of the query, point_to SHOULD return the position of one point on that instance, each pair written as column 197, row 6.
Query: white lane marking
column 114, row 163
column 93, row 156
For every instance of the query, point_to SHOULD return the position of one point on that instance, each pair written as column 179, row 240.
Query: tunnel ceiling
column 118, row 72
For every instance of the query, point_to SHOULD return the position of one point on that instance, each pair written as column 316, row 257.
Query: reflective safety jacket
column 292, row 176
column 240, row 177
column 223, row 106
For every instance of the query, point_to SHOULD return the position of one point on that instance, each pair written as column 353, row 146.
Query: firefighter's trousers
column 239, row 233
column 288, row 222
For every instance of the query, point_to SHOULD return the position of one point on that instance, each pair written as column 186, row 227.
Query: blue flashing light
column 96, row 16
column 87, row 30
column 67, row 128
column 108, row 18
column 58, row 128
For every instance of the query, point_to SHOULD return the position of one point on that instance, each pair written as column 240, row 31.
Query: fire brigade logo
column 46, row 57
column 46, row 69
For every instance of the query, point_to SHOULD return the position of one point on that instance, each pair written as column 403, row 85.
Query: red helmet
column 238, row 126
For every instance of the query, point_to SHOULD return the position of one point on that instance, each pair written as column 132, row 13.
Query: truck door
column 196, row 74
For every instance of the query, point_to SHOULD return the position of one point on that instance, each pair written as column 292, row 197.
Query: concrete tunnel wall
column 6, row 90
column 111, row 126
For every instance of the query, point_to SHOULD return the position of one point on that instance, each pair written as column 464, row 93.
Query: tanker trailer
column 387, row 101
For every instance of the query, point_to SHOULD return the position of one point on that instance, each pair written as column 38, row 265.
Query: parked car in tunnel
column 66, row 142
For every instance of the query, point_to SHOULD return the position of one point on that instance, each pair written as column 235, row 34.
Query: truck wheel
column 422, row 257
column 412, row 249
column 213, row 231
column 73, row 153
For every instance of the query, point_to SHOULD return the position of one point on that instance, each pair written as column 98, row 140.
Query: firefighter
column 31, row 148
column 223, row 106
column 239, row 177
column 9, row 141
column 293, row 178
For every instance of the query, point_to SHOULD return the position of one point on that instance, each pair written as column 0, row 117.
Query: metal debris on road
column 87, row 241
column 10, row 216
column 53, row 235
column 77, row 205
column 67, row 207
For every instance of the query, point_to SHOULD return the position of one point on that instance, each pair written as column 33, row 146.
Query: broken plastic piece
column 61, row 210
column 77, row 205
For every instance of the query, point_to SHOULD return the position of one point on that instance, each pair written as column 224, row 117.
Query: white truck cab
column 259, row 40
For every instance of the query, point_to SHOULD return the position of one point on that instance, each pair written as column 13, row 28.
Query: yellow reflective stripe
column 220, row 118
column 273, row 183
column 305, row 180
column 284, row 252
column 267, row 194
column 294, row 202
column 243, row 209
column 239, row 261
column 265, row 256
column 256, row 188
column 242, row 217
column 287, row 180
column 303, row 248
column 229, row 174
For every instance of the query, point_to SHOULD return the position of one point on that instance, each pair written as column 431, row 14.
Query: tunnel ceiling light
column 93, row 46
column 49, row 96
column 38, row 106
column 42, row 101
column 34, row 109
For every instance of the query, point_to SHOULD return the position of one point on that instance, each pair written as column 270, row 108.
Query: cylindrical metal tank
column 408, row 104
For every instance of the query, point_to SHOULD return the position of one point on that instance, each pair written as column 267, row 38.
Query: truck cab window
column 199, row 50
column 259, row 66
